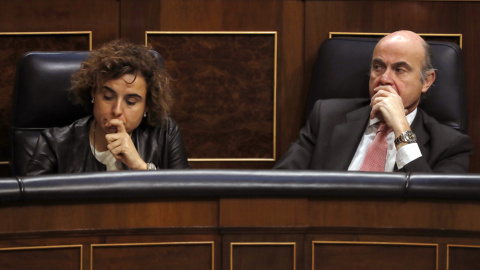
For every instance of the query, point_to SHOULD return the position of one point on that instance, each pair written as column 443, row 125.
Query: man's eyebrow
column 402, row 64
column 378, row 61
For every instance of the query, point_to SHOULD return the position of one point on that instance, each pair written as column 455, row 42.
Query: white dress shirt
column 401, row 157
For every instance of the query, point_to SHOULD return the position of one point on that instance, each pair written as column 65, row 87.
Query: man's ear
column 429, row 79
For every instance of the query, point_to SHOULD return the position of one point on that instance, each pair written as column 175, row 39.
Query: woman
column 129, row 95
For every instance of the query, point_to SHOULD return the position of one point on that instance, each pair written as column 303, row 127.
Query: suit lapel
column 422, row 135
column 345, row 139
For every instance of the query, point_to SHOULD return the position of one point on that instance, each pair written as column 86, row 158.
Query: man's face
column 397, row 63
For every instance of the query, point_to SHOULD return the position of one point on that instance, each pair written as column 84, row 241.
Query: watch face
column 410, row 136
column 406, row 137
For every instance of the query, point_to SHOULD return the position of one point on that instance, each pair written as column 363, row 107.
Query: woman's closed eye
column 131, row 102
column 108, row 97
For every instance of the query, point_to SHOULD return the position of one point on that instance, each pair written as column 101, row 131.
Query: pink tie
column 377, row 151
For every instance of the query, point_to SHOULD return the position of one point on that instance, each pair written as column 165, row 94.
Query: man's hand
column 387, row 106
column 121, row 146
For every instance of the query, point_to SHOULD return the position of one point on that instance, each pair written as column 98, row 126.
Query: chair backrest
column 41, row 99
column 343, row 64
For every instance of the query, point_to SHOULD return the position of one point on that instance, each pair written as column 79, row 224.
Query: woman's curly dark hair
column 112, row 61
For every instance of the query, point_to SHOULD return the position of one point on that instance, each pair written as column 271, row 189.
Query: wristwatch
column 406, row 137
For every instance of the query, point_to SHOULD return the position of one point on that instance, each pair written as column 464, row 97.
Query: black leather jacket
column 67, row 149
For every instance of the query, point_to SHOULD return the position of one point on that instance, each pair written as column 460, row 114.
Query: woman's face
column 122, row 98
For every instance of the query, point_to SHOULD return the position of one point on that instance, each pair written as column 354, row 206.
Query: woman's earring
column 145, row 114
column 93, row 100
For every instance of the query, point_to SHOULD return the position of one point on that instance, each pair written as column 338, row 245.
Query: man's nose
column 386, row 79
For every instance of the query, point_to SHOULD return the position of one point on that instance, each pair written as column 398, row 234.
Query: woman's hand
column 121, row 146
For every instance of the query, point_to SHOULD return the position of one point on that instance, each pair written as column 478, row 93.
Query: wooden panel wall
column 463, row 257
column 241, row 233
column 42, row 257
column 224, row 92
column 175, row 255
column 367, row 255
column 301, row 27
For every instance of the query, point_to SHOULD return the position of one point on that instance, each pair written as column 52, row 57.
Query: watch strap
column 406, row 137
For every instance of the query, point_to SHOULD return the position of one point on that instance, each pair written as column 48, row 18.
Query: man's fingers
column 386, row 88
column 376, row 112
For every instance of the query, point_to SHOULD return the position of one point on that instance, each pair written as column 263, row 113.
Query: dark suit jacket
column 335, row 128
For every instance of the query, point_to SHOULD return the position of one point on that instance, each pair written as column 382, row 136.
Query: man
column 339, row 132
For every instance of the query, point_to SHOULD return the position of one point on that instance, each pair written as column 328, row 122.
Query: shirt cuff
column 407, row 154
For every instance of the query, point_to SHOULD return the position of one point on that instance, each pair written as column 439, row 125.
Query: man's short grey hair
column 427, row 63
